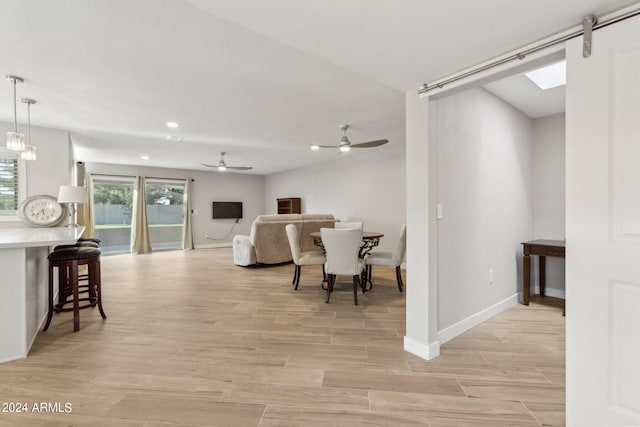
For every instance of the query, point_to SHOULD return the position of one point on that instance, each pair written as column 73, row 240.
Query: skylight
column 548, row 77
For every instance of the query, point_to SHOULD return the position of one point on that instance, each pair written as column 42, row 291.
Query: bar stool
column 63, row 274
column 90, row 239
column 67, row 261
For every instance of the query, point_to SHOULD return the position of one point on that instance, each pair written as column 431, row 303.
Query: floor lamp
column 72, row 194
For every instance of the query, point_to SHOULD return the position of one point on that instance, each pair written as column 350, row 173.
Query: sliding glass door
column 165, row 212
column 113, row 205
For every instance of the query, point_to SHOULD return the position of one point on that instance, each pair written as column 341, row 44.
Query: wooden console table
column 542, row 248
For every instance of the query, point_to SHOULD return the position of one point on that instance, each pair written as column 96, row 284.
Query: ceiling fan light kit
column 222, row 165
column 346, row 145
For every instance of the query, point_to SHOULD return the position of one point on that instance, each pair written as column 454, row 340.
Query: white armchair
column 341, row 248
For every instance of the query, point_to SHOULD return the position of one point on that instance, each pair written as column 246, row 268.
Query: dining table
column 370, row 239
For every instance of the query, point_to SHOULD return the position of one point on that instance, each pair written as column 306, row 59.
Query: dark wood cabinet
column 289, row 205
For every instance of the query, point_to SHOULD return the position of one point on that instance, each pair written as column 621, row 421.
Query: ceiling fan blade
column 370, row 144
column 326, row 146
column 240, row 168
column 209, row 166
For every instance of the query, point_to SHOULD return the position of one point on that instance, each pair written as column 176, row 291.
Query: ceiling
column 525, row 96
column 260, row 80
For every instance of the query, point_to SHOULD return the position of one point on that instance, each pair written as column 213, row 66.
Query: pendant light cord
column 15, row 107
column 29, row 122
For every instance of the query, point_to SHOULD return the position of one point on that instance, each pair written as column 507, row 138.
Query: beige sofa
column 267, row 242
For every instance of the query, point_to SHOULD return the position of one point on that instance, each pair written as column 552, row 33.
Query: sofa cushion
column 312, row 223
column 269, row 237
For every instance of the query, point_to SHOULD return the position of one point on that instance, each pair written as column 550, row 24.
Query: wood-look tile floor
column 193, row 340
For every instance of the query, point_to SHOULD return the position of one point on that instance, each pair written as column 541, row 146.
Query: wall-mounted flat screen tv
column 225, row 210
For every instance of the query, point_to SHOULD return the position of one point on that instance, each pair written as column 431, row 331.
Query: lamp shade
column 72, row 194
column 15, row 141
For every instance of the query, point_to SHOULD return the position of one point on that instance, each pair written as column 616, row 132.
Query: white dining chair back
column 347, row 225
column 401, row 249
column 389, row 259
column 341, row 247
column 294, row 241
column 301, row 258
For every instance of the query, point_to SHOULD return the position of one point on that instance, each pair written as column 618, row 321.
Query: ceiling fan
column 222, row 166
column 345, row 145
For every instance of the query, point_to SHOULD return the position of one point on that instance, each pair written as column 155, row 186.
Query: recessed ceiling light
column 145, row 157
column 172, row 125
column 174, row 138
column 548, row 77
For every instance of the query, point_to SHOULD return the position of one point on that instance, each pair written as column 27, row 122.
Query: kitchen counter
column 33, row 237
column 23, row 284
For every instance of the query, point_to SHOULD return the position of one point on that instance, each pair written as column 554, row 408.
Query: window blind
column 8, row 185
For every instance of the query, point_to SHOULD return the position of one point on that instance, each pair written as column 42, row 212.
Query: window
column 11, row 185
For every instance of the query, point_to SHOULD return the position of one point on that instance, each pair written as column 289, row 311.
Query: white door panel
column 603, row 228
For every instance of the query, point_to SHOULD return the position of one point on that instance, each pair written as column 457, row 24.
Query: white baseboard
column 425, row 351
column 10, row 359
column 464, row 325
column 215, row 245
column 550, row 292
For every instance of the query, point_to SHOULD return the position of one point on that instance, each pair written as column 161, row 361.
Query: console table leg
column 527, row 278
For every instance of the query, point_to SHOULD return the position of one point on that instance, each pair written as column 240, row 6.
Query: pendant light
column 29, row 152
column 15, row 140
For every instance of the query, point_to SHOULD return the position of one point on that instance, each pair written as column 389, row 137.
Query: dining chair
column 388, row 258
column 341, row 247
column 345, row 225
column 302, row 258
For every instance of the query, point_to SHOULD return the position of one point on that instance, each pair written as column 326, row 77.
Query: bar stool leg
column 73, row 278
column 91, row 286
column 50, row 313
column 64, row 288
column 94, row 273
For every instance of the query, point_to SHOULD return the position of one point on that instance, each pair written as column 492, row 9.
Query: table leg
column 543, row 273
column 527, row 279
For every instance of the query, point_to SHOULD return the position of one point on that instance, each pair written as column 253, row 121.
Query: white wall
column 549, row 195
column 53, row 167
column 422, row 295
column 368, row 187
column 484, row 178
column 207, row 187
